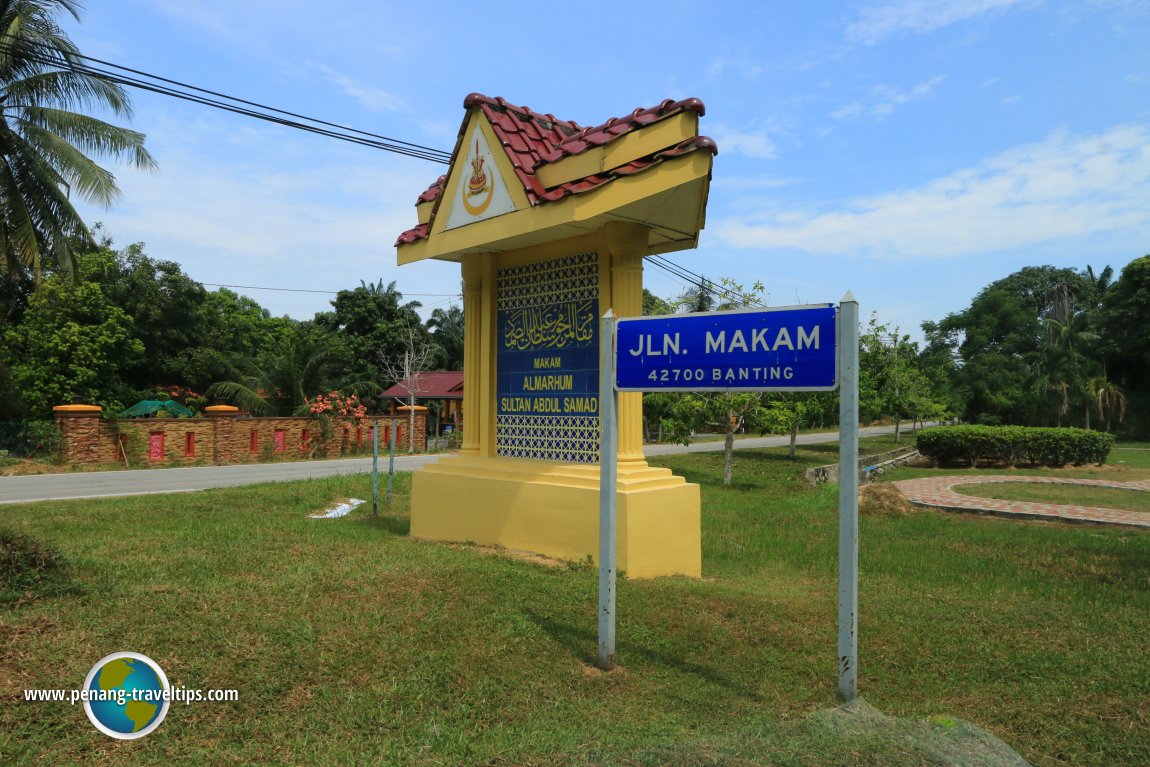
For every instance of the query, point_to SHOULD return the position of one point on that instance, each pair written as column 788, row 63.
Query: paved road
column 101, row 484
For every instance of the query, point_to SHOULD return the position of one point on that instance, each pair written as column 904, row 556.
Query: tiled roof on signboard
column 532, row 140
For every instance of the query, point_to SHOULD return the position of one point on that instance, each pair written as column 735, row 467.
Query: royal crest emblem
column 478, row 186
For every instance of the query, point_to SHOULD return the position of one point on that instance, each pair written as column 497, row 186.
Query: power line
column 697, row 280
column 330, row 130
column 239, row 106
column 694, row 279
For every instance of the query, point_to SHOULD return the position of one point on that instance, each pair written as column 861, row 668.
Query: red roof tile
column 531, row 140
column 433, row 191
column 412, row 235
column 433, row 384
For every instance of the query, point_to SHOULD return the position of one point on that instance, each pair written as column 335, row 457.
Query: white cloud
column 880, row 22
column 375, row 99
column 1065, row 186
column 755, row 144
column 882, row 100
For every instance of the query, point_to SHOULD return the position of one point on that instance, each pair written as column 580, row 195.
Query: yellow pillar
column 627, row 245
column 488, row 356
column 472, row 351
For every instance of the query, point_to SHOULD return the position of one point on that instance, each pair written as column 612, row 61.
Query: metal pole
column 391, row 462
column 608, row 469
column 375, row 468
column 848, row 351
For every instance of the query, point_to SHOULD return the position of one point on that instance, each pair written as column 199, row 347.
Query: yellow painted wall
column 546, row 507
column 553, row 509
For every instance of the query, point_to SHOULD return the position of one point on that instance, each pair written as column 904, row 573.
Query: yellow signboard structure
column 550, row 222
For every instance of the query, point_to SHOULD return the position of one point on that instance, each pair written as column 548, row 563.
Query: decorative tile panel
column 547, row 401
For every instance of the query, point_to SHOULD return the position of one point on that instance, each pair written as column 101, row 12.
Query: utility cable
column 329, row 129
column 240, row 106
column 698, row 281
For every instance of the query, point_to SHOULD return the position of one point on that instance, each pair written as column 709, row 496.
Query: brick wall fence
column 222, row 436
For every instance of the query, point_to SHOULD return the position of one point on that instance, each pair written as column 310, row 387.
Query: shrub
column 1014, row 445
column 30, row 569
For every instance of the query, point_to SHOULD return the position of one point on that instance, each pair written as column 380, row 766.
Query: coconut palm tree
column 1108, row 399
column 298, row 366
column 46, row 139
column 446, row 326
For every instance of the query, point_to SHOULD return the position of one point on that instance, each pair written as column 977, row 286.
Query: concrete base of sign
column 553, row 509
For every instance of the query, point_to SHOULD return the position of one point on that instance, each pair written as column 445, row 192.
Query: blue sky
column 909, row 151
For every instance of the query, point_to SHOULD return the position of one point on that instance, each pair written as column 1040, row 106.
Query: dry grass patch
column 883, row 499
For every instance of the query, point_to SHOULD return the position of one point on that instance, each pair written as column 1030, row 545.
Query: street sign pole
column 391, row 460
column 375, row 468
column 848, row 351
column 781, row 349
column 608, row 468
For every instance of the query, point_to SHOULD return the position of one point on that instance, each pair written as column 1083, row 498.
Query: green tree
column 446, row 327
column 232, row 330
column 891, row 382
column 45, row 140
column 1107, row 399
column 166, row 305
column 697, row 298
column 1099, row 285
column 725, row 413
column 1068, row 367
column 653, row 305
column 371, row 322
column 73, row 343
column 1124, row 319
column 297, row 367
column 191, row 338
column 791, row 411
column 1046, row 291
column 995, row 341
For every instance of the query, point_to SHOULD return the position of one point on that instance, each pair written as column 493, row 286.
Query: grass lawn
column 350, row 643
column 1079, row 495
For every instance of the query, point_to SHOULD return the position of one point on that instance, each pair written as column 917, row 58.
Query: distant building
column 440, row 391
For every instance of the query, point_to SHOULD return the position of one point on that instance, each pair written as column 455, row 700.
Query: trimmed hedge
column 1014, row 445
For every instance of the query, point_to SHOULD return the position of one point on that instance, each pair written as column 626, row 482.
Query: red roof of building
column 532, row 140
column 431, row 384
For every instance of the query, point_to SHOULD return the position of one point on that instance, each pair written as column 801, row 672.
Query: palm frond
column 67, row 89
column 87, row 134
column 243, row 396
column 46, row 144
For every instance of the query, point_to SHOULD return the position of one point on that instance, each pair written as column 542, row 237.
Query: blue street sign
column 785, row 349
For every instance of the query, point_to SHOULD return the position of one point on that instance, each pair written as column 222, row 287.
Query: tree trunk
column 897, row 428
column 411, row 426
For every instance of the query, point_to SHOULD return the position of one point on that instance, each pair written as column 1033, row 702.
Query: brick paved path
column 937, row 492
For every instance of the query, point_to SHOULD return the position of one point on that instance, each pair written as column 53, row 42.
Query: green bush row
column 1014, row 445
